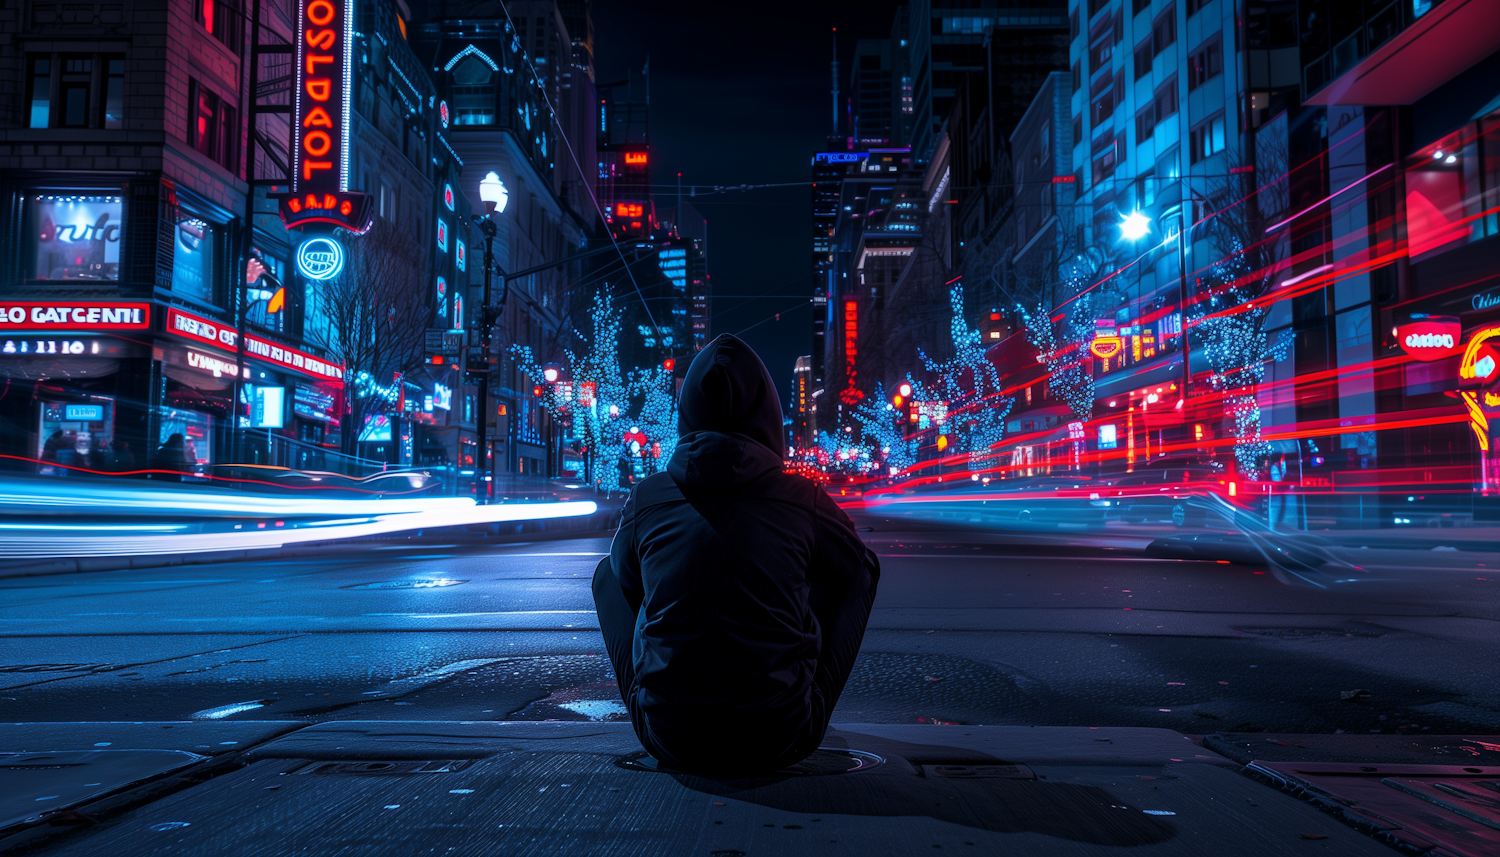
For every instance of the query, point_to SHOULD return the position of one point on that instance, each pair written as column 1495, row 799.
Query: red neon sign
column 220, row 335
column 320, row 122
column 631, row 209
column 636, row 159
column 1431, row 338
column 74, row 315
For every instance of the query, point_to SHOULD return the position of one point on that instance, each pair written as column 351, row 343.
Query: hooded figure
column 735, row 595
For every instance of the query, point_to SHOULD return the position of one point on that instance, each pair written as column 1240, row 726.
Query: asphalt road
column 976, row 628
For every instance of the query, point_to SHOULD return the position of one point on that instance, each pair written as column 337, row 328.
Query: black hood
column 728, row 390
column 729, row 419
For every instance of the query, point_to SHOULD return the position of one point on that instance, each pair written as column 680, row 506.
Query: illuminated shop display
column 74, row 237
column 193, row 258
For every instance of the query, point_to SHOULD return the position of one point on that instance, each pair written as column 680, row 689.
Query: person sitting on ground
column 735, row 595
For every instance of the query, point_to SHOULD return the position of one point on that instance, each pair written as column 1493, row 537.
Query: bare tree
column 373, row 317
column 1228, row 319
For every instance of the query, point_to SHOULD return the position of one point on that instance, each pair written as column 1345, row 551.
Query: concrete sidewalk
column 530, row 788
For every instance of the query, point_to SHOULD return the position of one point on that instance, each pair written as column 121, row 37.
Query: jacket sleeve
column 625, row 557
column 840, row 558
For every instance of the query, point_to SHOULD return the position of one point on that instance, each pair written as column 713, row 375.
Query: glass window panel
column 114, row 94
column 76, row 237
column 193, row 258
column 41, row 92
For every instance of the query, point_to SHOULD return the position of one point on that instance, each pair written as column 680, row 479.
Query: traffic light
column 669, row 364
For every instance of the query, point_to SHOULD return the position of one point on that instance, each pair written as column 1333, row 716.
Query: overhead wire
column 573, row 155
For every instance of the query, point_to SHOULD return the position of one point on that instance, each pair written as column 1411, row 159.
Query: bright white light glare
column 445, row 514
column 224, row 711
column 1451, row 159
column 1134, row 226
column 35, row 496
column 550, row 374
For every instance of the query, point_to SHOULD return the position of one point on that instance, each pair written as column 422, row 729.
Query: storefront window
column 193, row 258
column 76, row 435
column 185, row 439
column 75, row 237
column 1452, row 188
column 267, row 304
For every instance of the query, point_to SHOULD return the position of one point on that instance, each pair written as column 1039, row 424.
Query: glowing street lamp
column 492, row 191
column 1134, row 226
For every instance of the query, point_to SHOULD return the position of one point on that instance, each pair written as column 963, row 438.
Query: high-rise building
column 804, row 419
column 873, row 103
column 946, row 43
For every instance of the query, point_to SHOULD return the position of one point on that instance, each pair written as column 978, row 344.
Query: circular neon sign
column 320, row 258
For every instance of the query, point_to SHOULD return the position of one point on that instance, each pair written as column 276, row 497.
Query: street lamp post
column 492, row 192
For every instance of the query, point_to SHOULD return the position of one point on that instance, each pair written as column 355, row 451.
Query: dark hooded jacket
column 719, row 554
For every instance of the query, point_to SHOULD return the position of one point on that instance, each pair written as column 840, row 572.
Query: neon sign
column 78, row 315
column 218, row 334
column 448, row 195
column 635, row 159
column 1430, row 337
column 1105, row 347
column 1476, row 370
column 443, row 115
column 320, row 122
column 320, row 258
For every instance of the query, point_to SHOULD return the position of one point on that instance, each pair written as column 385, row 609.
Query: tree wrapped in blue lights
column 596, row 395
column 882, row 432
column 606, row 403
column 1229, row 330
column 1227, row 322
column 1062, row 348
column 970, row 386
column 655, row 391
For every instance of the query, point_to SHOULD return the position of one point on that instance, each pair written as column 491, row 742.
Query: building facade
column 140, row 204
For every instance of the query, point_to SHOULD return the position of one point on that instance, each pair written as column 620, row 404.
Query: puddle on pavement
column 598, row 702
column 426, row 583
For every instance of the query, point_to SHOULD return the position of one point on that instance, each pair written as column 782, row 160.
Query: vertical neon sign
column 321, row 113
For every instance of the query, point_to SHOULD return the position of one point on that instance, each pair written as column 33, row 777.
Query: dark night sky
column 740, row 95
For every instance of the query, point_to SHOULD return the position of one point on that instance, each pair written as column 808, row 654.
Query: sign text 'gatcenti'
column 54, row 315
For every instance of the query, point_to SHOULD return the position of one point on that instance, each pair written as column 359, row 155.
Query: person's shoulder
column 654, row 490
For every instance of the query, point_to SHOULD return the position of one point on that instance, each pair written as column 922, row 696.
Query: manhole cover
column 823, row 762
column 430, row 583
column 367, row 768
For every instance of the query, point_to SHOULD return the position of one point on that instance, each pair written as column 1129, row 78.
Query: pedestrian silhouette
column 172, row 456
column 735, row 595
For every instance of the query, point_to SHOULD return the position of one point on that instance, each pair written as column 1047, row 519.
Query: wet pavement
column 969, row 630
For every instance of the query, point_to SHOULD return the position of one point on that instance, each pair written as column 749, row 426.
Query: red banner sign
column 1431, row 338
column 219, row 335
column 320, row 121
column 74, row 315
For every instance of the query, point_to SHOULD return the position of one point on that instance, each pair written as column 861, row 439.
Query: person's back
column 735, row 595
